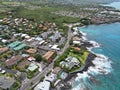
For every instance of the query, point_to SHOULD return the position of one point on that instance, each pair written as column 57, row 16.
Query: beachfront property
column 76, row 42
column 56, row 70
column 69, row 62
column 51, row 77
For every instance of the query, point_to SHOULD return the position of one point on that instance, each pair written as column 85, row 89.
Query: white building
column 70, row 62
column 76, row 42
column 55, row 47
column 45, row 85
column 51, row 77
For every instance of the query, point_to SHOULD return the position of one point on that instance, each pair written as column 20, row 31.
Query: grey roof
column 6, row 82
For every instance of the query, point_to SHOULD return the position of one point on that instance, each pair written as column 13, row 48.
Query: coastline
column 90, row 62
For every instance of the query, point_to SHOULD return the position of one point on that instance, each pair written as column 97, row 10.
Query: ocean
column 105, row 75
column 113, row 4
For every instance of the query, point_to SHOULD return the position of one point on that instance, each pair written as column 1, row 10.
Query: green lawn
column 80, row 55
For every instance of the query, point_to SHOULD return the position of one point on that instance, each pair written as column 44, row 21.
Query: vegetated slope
column 75, row 2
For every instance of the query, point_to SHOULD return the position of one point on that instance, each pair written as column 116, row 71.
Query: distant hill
column 73, row 2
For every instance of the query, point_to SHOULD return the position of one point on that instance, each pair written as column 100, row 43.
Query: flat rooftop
column 6, row 82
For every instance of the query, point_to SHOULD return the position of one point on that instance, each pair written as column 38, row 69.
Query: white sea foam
column 84, row 38
column 84, row 34
column 95, row 44
column 102, row 65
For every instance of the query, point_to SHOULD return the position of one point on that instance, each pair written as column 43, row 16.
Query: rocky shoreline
column 71, row 76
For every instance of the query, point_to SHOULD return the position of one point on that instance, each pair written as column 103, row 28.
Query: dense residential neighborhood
column 42, row 46
column 26, row 52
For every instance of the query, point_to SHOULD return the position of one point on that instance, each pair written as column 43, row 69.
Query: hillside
column 69, row 2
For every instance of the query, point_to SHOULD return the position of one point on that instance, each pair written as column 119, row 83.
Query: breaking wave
column 102, row 66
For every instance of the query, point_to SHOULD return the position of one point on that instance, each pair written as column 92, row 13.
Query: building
column 38, row 39
column 32, row 67
column 48, row 56
column 76, row 42
column 31, row 50
column 44, row 35
column 70, row 62
column 4, row 49
column 56, row 70
column 51, row 77
column 13, row 60
column 6, row 82
column 56, row 37
column 76, row 38
column 55, row 47
column 31, row 59
column 45, row 85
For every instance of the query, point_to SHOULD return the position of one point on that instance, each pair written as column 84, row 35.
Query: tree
column 38, row 57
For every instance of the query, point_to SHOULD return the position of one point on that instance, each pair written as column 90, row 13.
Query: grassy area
column 32, row 74
column 80, row 55
column 15, row 86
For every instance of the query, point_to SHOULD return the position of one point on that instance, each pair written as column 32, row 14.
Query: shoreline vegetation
column 97, row 15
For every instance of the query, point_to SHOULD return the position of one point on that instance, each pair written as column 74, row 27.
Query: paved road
column 27, row 83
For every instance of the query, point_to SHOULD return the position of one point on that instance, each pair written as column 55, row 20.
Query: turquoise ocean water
column 108, row 35
column 114, row 4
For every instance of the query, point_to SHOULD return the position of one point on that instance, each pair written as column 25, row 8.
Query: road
column 27, row 83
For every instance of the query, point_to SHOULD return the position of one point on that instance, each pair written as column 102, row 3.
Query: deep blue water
column 114, row 4
column 108, row 35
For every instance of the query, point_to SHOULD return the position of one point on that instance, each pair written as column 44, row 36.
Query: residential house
column 31, row 59
column 6, row 82
column 55, row 47
column 51, row 77
column 4, row 49
column 31, row 50
column 32, row 67
column 44, row 35
column 70, row 62
column 45, row 85
column 13, row 60
column 56, row 70
column 56, row 37
column 48, row 56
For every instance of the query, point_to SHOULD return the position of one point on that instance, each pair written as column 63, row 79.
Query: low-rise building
column 55, row 47
column 45, row 85
column 31, row 59
column 13, row 60
column 48, row 56
column 76, row 42
column 6, row 82
column 56, row 70
column 70, row 62
column 32, row 67
column 31, row 50
column 51, row 77
column 4, row 49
